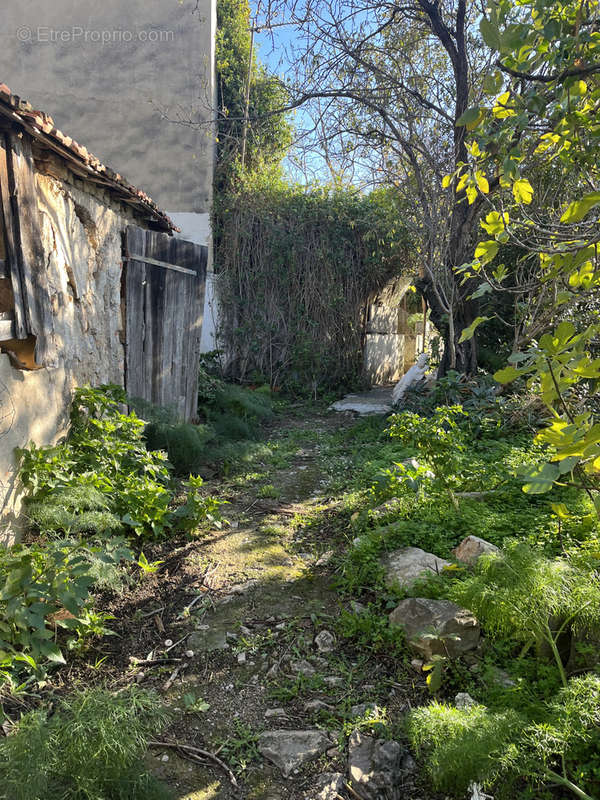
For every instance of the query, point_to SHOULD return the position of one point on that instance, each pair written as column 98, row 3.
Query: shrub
column 296, row 268
column 462, row 745
column 91, row 748
column 236, row 412
column 439, row 438
column 45, row 589
column 499, row 748
column 105, row 465
column 523, row 594
column 185, row 444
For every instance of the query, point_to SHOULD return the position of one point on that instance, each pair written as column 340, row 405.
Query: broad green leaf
column 434, row 679
column 486, row 251
column 470, row 116
column 514, row 35
column 490, row 34
column 578, row 209
column 467, row 333
column 568, row 464
column 540, row 479
column 523, row 191
column 578, row 89
column 492, row 82
column 482, row 289
column 507, row 375
column 52, row 653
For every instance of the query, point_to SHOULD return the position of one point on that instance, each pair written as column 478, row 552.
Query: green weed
column 90, row 748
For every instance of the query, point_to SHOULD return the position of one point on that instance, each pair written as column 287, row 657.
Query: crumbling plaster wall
column 82, row 238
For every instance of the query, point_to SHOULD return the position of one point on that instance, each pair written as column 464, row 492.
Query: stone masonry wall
column 82, row 238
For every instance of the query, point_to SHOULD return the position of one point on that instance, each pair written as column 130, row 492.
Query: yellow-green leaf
column 507, row 375
column 482, row 182
column 495, row 222
column 486, row 251
column 578, row 209
column 523, row 191
column 467, row 333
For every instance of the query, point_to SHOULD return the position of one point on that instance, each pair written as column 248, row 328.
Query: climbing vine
column 296, row 268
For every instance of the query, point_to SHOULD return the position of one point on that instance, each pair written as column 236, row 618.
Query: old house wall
column 82, row 241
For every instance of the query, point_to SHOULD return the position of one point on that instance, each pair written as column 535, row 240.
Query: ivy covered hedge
column 296, row 267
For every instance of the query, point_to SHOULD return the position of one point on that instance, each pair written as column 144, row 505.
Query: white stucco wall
column 82, row 245
column 133, row 81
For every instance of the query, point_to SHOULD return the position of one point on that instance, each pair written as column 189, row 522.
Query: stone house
column 94, row 288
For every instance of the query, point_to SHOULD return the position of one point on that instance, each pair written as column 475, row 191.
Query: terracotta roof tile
column 41, row 126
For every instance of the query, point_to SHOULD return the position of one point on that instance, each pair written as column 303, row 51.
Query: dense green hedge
column 296, row 267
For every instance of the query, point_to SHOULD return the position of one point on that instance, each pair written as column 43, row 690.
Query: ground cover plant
column 230, row 419
column 105, row 465
column 464, row 477
column 104, row 452
column 90, row 500
column 318, row 484
column 90, row 748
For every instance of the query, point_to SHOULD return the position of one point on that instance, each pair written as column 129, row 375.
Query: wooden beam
column 31, row 256
column 11, row 236
column 157, row 263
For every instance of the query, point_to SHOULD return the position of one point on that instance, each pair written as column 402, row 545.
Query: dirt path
column 240, row 610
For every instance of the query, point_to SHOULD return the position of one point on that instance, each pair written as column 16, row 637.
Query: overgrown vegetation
column 296, row 264
column 296, row 269
column 460, row 472
column 231, row 418
column 89, row 500
column 106, row 467
column 90, row 748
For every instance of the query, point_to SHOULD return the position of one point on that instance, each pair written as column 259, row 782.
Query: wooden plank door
column 165, row 281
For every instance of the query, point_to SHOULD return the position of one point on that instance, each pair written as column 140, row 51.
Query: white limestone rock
column 403, row 567
column 472, row 548
column 457, row 628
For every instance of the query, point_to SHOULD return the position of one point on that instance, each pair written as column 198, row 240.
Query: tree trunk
column 459, row 356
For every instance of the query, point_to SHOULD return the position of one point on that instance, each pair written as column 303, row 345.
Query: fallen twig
column 353, row 792
column 189, row 607
column 152, row 662
column 188, row 749
column 172, row 676
column 154, row 611
column 245, row 511
column 183, row 638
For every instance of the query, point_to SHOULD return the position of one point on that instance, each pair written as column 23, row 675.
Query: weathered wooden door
column 164, row 284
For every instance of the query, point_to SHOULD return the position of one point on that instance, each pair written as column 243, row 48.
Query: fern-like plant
column 465, row 745
column 521, row 593
column 91, row 748
column 499, row 748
